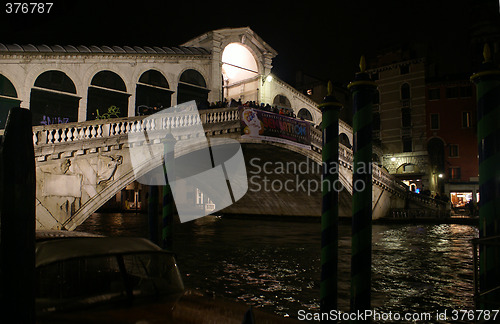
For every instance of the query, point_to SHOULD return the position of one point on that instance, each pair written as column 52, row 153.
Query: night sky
column 324, row 39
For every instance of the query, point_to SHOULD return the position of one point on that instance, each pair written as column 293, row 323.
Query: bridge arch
column 54, row 99
column 107, row 89
column 407, row 168
column 103, row 167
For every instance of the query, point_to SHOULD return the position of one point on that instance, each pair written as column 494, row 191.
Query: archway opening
column 239, row 72
column 8, row 99
column 192, row 86
column 53, row 99
column 238, row 63
column 282, row 102
column 304, row 114
column 344, row 140
column 152, row 93
column 107, row 96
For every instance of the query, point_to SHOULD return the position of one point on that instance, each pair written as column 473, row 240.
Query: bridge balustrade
column 48, row 135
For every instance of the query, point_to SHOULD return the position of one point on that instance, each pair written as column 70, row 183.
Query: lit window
column 466, row 119
column 454, row 173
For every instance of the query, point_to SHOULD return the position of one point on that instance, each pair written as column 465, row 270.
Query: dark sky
column 322, row 38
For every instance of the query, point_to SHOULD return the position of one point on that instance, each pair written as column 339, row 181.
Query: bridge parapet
column 49, row 140
column 111, row 131
column 381, row 177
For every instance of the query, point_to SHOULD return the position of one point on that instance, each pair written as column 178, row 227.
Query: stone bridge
column 80, row 166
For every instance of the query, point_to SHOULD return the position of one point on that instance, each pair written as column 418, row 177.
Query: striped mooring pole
column 330, row 197
column 363, row 91
column 487, row 82
column 168, row 199
column 153, row 214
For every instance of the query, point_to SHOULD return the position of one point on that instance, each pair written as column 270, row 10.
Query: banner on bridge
column 267, row 126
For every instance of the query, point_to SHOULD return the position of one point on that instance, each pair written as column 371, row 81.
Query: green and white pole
column 487, row 82
column 153, row 213
column 168, row 199
column 362, row 90
column 330, row 198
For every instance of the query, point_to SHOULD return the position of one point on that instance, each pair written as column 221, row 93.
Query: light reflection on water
column 275, row 264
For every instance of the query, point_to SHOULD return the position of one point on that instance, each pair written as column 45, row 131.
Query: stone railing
column 420, row 213
column 73, row 133
column 380, row 175
column 106, row 128
column 427, row 200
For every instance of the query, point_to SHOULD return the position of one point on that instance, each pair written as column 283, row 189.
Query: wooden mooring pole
column 362, row 89
column 487, row 81
column 330, row 203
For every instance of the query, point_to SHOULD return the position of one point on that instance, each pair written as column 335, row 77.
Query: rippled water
column 275, row 264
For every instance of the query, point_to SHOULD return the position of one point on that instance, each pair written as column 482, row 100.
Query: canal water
column 275, row 264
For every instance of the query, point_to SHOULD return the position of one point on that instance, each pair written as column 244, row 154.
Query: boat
column 87, row 278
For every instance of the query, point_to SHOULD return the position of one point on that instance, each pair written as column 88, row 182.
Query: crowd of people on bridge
column 252, row 104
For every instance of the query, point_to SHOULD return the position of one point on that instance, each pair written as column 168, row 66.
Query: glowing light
column 393, row 159
column 238, row 63
column 269, row 78
column 440, row 175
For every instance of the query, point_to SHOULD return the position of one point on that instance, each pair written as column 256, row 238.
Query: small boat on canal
column 86, row 278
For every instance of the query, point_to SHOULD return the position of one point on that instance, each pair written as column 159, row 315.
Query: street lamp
column 267, row 78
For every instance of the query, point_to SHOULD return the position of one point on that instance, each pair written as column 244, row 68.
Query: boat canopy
column 80, row 247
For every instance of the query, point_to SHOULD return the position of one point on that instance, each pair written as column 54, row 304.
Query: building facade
column 399, row 121
column 452, row 140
